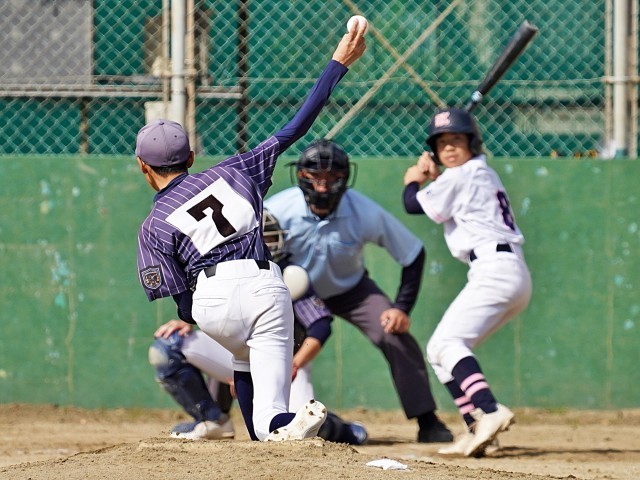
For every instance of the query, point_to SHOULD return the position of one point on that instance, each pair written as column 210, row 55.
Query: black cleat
column 436, row 433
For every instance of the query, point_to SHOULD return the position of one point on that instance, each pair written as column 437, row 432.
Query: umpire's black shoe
column 435, row 433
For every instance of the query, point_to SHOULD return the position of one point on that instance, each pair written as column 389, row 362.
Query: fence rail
column 81, row 76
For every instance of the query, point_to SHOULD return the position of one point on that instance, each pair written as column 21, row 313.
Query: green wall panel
column 77, row 325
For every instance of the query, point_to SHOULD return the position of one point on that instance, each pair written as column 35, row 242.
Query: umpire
column 328, row 226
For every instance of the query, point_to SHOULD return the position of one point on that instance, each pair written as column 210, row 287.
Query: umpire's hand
column 395, row 320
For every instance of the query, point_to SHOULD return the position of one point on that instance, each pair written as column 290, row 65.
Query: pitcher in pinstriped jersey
column 203, row 245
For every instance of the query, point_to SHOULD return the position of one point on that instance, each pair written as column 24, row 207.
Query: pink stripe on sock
column 462, row 400
column 469, row 380
column 468, row 408
column 476, row 387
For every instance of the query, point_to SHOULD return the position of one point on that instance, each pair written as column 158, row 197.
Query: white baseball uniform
column 211, row 358
column 480, row 230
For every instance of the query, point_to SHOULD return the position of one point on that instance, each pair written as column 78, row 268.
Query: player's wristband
column 411, row 204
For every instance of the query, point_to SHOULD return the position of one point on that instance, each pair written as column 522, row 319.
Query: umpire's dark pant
column 362, row 306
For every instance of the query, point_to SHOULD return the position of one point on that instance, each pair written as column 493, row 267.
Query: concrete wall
column 77, row 324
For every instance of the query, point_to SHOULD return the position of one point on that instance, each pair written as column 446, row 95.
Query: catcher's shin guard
column 335, row 429
column 181, row 380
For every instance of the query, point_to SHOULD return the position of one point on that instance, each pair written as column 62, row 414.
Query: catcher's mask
column 454, row 120
column 273, row 235
column 323, row 171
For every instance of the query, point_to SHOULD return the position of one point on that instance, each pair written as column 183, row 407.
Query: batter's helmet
column 273, row 235
column 454, row 120
column 320, row 157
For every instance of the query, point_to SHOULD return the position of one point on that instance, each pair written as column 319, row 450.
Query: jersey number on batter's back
column 505, row 207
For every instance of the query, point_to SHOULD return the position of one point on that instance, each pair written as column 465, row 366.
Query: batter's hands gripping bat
column 515, row 47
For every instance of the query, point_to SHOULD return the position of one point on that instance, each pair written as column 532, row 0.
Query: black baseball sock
column 464, row 404
column 469, row 376
column 244, row 392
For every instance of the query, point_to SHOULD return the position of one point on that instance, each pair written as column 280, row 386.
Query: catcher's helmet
column 323, row 156
column 273, row 235
column 454, row 120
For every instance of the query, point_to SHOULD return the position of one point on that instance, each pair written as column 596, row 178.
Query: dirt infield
column 46, row 443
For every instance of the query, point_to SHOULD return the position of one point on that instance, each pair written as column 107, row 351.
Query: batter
column 480, row 230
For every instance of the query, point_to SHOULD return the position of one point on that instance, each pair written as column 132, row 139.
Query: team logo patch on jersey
column 442, row 120
column 151, row 277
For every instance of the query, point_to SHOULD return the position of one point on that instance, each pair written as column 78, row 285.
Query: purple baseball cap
column 162, row 143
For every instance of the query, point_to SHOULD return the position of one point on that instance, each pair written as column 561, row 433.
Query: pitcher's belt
column 211, row 271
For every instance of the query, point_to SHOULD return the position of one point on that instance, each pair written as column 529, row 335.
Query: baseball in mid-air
column 361, row 20
column 297, row 281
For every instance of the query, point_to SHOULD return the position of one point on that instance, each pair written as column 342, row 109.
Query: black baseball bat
column 511, row 51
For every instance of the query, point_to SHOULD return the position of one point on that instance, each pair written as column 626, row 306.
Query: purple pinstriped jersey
column 206, row 218
column 215, row 216
column 309, row 309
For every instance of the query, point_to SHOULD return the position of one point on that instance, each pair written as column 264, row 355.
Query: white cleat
column 459, row 447
column 493, row 447
column 206, row 430
column 305, row 424
column 486, row 429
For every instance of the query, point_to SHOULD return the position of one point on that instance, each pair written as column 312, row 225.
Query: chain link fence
column 82, row 76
